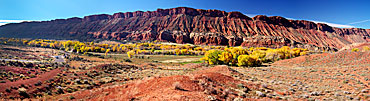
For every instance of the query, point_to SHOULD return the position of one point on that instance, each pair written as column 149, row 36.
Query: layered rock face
column 197, row 26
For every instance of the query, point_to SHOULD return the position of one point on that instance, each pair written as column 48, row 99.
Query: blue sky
column 340, row 13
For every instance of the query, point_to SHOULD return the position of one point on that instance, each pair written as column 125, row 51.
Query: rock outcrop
column 188, row 25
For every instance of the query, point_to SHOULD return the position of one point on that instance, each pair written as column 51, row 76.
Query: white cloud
column 251, row 15
column 330, row 24
column 11, row 21
column 360, row 21
column 335, row 25
column 3, row 22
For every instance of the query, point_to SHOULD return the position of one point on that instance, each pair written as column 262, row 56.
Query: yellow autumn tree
column 259, row 53
column 114, row 48
column 130, row 53
column 272, row 55
column 184, row 51
column 225, row 57
column 355, row 50
column 107, row 51
column 248, row 60
column 302, row 53
column 212, row 57
column 177, row 51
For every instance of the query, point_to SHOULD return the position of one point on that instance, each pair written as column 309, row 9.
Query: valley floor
column 341, row 75
column 325, row 76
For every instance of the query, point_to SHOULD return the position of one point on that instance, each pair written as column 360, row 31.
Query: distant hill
column 197, row 26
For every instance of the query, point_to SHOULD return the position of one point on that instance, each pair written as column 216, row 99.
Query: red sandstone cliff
column 188, row 25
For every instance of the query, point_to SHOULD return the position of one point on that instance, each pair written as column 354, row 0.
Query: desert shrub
column 128, row 60
column 8, row 90
column 101, row 57
column 60, row 91
column 22, row 92
column 38, row 83
column 355, row 50
column 32, row 75
column 366, row 48
column 78, row 81
column 11, row 79
column 248, row 60
column 70, row 90
column 22, row 85
column 71, row 97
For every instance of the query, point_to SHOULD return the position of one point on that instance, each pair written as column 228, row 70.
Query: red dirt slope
column 337, row 59
column 202, row 85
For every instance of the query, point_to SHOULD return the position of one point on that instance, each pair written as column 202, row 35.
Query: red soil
column 43, row 77
column 17, row 70
column 342, row 59
column 343, row 70
column 355, row 45
column 193, row 86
